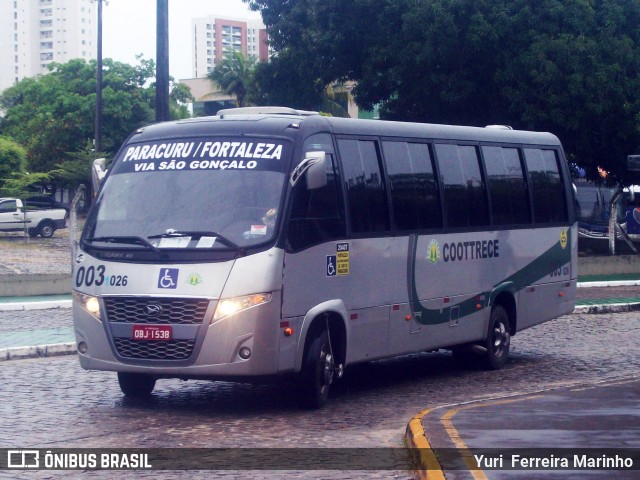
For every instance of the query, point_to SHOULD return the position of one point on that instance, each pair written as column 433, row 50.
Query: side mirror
column 317, row 174
column 313, row 168
column 98, row 173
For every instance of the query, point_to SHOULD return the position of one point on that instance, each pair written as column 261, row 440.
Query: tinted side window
column 464, row 195
column 414, row 194
column 366, row 196
column 317, row 215
column 549, row 201
column 507, row 187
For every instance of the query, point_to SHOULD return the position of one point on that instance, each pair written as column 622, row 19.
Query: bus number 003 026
column 96, row 276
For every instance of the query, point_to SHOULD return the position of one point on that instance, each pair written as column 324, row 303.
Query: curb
column 610, row 283
column 54, row 350
column 39, row 305
column 425, row 461
column 607, row 308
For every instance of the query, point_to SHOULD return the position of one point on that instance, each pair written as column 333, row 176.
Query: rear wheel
column 46, row 229
column 318, row 371
column 136, row 384
column 498, row 340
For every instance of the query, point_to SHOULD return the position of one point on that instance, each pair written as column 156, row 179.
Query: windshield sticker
column 258, row 230
column 203, row 155
column 206, row 242
column 174, row 242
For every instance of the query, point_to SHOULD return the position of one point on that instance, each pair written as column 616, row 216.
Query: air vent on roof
column 499, row 127
column 264, row 111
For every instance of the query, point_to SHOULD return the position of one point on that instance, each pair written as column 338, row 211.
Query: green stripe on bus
column 551, row 260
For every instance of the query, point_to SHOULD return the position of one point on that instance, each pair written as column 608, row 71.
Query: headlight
column 231, row 306
column 89, row 303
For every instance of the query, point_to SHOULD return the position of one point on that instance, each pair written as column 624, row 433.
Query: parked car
column 45, row 201
column 14, row 217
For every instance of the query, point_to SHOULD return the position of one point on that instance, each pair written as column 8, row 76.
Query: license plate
column 151, row 332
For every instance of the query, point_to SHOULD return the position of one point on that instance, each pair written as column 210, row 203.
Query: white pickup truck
column 14, row 217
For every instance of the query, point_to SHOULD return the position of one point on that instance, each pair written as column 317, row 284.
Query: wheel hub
column 328, row 369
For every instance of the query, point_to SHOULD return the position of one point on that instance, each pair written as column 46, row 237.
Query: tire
column 46, row 229
column 498, row 339
column 136, row 385
column 318, row 371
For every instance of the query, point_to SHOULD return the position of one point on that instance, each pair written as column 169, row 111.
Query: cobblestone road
column 52, row 402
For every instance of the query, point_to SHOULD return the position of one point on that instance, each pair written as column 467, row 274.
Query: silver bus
column 270, row 242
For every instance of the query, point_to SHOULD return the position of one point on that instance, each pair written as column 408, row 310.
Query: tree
column 235, row 75
column 76, row 168
column 53, row 114
column 569, row 67
column 13, row 160
column 178, row 98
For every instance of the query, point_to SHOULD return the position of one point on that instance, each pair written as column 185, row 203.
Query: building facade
column 213, row 38
column 34, row 33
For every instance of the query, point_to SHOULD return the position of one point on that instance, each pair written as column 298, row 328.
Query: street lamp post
column 98, row 118
column 162, row 61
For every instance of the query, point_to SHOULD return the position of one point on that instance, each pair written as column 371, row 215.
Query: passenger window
column 414, row 195
column 9, row 206
column 549, row 200
column 464, row 195
column 367, row 200
column 316, row 215
column 507, row 186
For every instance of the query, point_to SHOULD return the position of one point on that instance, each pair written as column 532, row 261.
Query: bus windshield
column 191, row 194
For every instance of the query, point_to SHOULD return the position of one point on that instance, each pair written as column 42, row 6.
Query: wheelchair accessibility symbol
column 168, row 278
column 331, row 266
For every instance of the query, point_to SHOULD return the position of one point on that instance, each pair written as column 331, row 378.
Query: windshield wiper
column 125, row 240
column 199, row 234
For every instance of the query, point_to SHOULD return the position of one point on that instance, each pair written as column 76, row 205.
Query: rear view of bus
column 273, row 243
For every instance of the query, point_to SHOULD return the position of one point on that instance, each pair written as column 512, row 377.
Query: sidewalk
column 32, row 327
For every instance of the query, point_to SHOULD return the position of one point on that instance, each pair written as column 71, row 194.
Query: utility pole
column 97, row 141
column 162, row 61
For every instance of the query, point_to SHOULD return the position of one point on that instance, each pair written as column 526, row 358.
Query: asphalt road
column 53, row 403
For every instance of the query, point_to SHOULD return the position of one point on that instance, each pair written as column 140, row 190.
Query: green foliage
column 571, row 67
column 21, row 185
column 235, row 75
column 178, row 98
column 54, row 114
column 76, row 169
column 13, row 160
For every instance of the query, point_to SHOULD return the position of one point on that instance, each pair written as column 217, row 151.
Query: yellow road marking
column 447, row 423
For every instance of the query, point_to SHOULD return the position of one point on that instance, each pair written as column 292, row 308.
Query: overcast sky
column 129, row 28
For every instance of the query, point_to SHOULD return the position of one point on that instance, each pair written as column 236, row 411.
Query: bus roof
column 284, row 122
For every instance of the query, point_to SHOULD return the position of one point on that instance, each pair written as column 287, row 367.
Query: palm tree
column 235, row 74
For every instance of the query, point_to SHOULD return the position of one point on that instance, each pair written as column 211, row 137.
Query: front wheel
column 136, row 384
column 318, row 371
column 498, row 340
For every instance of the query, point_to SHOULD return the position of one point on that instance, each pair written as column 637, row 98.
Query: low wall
column 26, row 285
column 608, row 265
